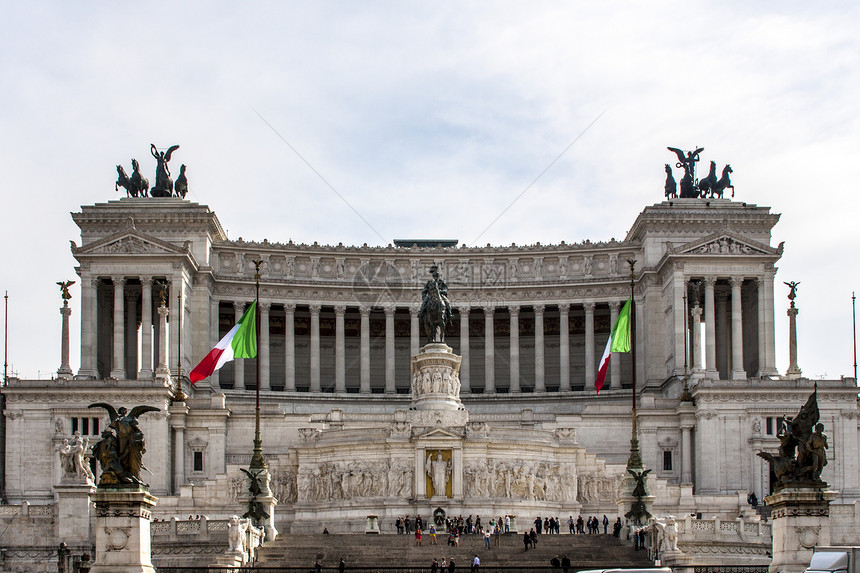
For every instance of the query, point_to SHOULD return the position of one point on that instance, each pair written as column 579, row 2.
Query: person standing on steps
column 476, row 563
column 487, row 534
column 526, row 540
column 605, row 524
column 341, row 567
column 565, row 563
column 451, row 566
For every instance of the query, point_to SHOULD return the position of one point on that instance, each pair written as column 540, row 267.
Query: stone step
column 585, row 551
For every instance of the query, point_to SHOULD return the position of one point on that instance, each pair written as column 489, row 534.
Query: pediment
column 726, row 243
column 440, row 433
column 129, row 242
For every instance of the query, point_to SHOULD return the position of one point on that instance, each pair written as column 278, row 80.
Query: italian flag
column 619, row 341
column 240, row 342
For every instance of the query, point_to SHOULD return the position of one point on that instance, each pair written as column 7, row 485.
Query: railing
column 730, row 569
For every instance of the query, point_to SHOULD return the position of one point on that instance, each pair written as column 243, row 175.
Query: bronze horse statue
column 435, row 315
column 723, row 183
column 707, row 184
column 135, row 186
column 671, row 187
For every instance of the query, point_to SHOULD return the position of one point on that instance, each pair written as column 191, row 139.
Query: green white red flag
column 240, row 342
column 619, row 341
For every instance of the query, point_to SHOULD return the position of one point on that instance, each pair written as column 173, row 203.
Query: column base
column 123, row 540
column 739, row 375
column 793, row 373
column 712, row 374
column 65, row 373
column 118, row 373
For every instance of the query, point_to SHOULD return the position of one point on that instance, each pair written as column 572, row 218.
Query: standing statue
column 435, row 312
column 688, row 163
column 72, row 460
column 121, row 449
column 438, row 470
column 163, row 182
column 64, row 290
column 801, row 455
column 793, row 286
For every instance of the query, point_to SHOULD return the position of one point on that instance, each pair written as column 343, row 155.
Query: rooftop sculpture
column 692, row 188
column 137, row 185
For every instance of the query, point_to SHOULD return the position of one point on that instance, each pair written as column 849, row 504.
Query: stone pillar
column 339, row 350
column 315, row 348
column 738, row 372
column 89, row 312
column 540, row 381
column 515, row 348
column 695, row 341
column 801, row 521
column 710, row 331
column 686, row 454
column 145, row 372
column 679, row 288
column 389, row 350
column 365, row 349
column 264, row 348
column 590, row 372
column 175, row 322
column 65, row 370
column 793, row 371
column 289, row 348
column 178, row 412
column 489, row 350
column 118, row 367
column 123, row 531
column 130, row 342
column 162, row 371
column 614, row 360
column 434, row 388
column 239, row 363
column 564, row 347
column 762, row 336
column 73, row 512
column 414, row 332
column 464, row 350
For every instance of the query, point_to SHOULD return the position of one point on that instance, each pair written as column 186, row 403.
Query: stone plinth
column 801, row 520
column 436, row 378
column 74, row 509
column 267, row 501
column 123, row 518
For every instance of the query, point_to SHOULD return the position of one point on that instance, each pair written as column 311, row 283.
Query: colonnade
column 464, row 345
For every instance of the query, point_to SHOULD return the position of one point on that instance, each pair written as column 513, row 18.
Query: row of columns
column 125, row 328
column 390, row 388
column 715, row 310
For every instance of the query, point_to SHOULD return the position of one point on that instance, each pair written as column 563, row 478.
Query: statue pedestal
column 372, row 525
column 801, row 520
column 436, row 378
column 123, row 530
column 73, row 513
column 268, row 503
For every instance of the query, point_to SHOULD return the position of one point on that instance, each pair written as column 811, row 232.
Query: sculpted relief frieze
column 355, row 479
column 515, row 479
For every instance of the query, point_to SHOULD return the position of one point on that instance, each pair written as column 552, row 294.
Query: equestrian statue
column 435, row 312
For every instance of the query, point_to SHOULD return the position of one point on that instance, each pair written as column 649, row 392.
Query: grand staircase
column 365, row 551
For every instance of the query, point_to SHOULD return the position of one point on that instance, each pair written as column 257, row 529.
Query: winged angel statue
column 120, row 452
column 163, row 182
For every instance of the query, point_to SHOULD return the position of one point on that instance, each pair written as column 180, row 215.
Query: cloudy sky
column 287, row 113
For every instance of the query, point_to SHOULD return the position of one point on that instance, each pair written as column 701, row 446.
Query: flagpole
column 258, row 463
column 3, row 402
column 635, row 459
column 854, row 323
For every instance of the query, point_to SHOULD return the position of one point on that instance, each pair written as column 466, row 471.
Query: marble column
column 289, row 348
column 564, row 347
column 414, row 331
column 145, row 372
column 680, row 285
column 540, row 380
column 590, row 372
column 793, row 371
column 239, row 363
column 738, row 372
column 264, row 348
column 214, row 325
column 162, row 371
column 389, row 350
column 615, row 359
column 339, row 350
column 89, row 316
column 515, row 348
column 178, row 412
column 130, row 343
column 762, row 337
column 118, row 370
column 722, row 335
column 315, row 348
column 695, row 340
column 173, row 303
column 710, row 330
column 489, row 350
column 464, row 350
column 65, row 370
column 365, row 350
column 768, row 325
column 686, row 455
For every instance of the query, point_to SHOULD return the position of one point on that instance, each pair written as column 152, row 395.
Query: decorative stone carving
column 436, row 378
column 538, row 481
column 354, row 479
column 75, row 469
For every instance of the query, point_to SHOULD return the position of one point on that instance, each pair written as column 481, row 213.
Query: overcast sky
column 395, row 105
